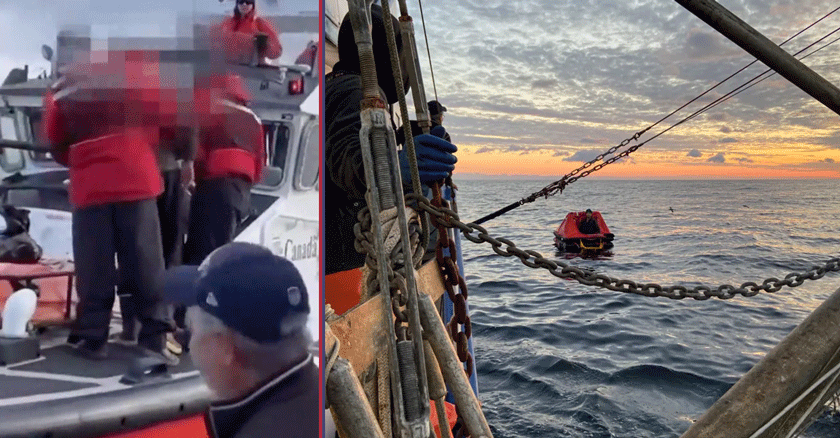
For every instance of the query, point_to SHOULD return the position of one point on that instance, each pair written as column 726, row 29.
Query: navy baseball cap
column 249, row 288
column 435, row 107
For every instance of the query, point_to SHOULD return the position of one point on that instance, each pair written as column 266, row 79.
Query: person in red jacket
column 244, row 32
column 97, row 132
column 229, row 161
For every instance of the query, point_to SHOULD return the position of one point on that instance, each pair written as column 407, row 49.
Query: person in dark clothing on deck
column 345, row 180
column 247, row 310
column 589, row 225
column 175, row 155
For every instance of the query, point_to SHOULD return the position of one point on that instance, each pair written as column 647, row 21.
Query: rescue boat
column 46, row 390
column 569, row 238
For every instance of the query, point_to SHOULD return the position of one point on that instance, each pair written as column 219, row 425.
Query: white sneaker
column 172, row 345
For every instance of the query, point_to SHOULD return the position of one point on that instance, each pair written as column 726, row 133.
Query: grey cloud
column 728, row 140
column 829, row 160
column 725, row 129
column 544, row 83
column 744, row 160
column 584, row 155
column 832, row 140
column 719, row 158
column 694, row 153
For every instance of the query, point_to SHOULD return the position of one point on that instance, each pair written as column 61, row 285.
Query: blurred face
column 245, row 6
column 589, row 215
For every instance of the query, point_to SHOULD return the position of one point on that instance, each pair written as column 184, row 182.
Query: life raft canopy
column 569, row 238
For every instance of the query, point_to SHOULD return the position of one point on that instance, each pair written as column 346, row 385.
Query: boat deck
column 61, row 394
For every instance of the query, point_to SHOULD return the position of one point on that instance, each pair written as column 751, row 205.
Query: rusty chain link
column 477, row 234
column 396, row 278
column 460, row 327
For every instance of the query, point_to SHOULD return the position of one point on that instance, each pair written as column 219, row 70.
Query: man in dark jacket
column 247, row 310
column 97, row 121
column 345, row 180
column 229, row 161
column 589, row 225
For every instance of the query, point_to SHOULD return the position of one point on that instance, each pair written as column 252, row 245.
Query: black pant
column 131, row 230
column 172, row 210
column 218, row 206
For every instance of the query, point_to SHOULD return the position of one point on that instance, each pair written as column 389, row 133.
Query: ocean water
column 559, row 359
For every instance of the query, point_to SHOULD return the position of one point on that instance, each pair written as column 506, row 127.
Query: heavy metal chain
column 460, row 327
column 396, row 278
column 477, row 234
column 573, row 176
column 559, row 185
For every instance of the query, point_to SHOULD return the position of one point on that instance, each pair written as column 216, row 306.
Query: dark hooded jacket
column 345, row 180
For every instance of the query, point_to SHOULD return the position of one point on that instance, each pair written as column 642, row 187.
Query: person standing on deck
column 175, row 155
column 245, row 32
column 345, row 180
column 247, row 310
column 229, row 161
column 103, row 136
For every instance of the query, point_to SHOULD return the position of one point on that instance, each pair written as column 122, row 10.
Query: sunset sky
column 537, row 87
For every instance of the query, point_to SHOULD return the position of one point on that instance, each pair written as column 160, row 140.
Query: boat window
column 7, row 128
column 36, row 135
column 11, row 160
column 308, row 158
column 276, row 144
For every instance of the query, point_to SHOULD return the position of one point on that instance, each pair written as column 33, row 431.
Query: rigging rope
column 428, row 52
column 734, row 92
column 560, row 185
column 743, row 88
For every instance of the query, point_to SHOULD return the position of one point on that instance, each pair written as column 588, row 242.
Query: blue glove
column 435, row 157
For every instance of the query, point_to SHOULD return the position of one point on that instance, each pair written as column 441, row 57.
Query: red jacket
column 109, row 160
column 238, row 35
column 307, row 57
column 231, row 141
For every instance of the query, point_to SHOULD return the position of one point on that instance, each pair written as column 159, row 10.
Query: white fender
column 18, row 311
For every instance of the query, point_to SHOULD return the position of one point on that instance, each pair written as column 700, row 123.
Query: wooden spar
column 777, row 380
column 765, row 51
column 347, row 402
